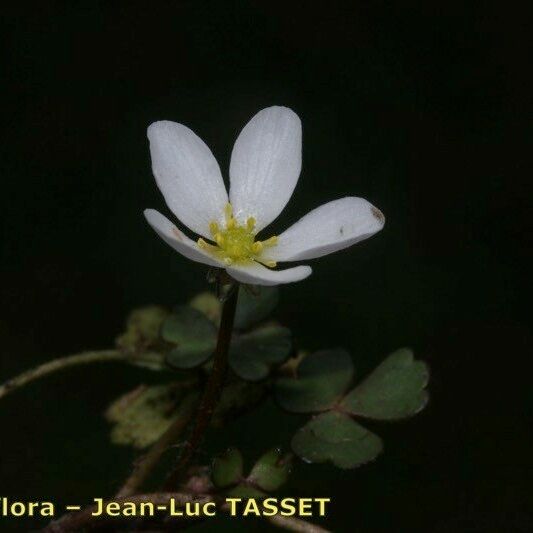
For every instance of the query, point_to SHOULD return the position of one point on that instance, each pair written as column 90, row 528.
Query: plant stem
column 58, row 364
column 213, row 388
column 145, row 464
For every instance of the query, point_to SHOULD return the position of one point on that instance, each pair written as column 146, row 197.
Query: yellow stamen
column 206, row 246
column 235, row 243
column 231, row 223
column 270, row 242
column 213, row 228
column 228, row 212
column 250, row 223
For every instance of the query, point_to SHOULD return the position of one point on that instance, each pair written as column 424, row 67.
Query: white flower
column 265, row 166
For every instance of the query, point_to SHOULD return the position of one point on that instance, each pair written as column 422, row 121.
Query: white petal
column 328, row 228
column 175, row 238
column 265, row 165
column 256, row 274
column 188, row 175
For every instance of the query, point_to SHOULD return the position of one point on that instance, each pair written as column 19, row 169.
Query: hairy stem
column 58, row 364
column 146, row 463
column 212, row 390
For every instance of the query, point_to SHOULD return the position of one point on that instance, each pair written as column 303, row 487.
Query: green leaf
column 193, row 334
column 187, row 325
column 322, row 379
column 254, row 305
column 141, row 416
column 227, row 469
column 270, row 472
column 394, row 390
column 252, row 354
column 335, row 437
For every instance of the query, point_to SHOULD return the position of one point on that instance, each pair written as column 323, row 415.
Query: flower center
column 236, row 243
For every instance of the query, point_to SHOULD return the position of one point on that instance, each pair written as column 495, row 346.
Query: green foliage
column 186, row 338
column 141, row 416
column 322, row 379
column 193, row 335
column 252, row 354
column 319, row 383
column 192, row 331
column 227, row 469
column 335, row 437
column 254, row 305
column 271, row 471
column 268, row 474
column 394, row 390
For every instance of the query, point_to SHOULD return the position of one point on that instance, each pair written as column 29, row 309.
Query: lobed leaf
column 254, row 305
column 394, row 390
column 252, row 354
column 335, row 437
column 141, row 416
column 322, row 379
column 193, row 334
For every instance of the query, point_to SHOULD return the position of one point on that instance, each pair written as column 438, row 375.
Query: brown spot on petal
column 177, row 233
column 378, row 214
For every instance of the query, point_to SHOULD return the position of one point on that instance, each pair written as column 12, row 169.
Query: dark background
column 419, row 107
